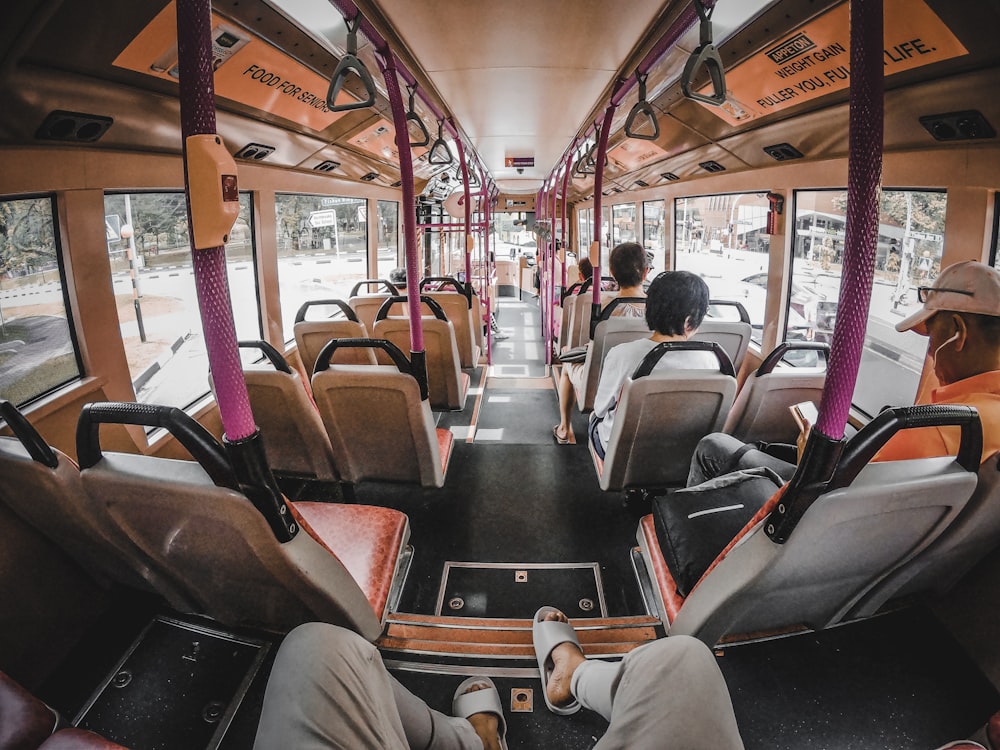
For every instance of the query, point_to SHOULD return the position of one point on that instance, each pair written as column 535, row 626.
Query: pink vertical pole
column 602, row 150
column 565, row 210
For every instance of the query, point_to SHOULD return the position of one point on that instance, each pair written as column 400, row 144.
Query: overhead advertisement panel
column 248, row 70
column 814, row 60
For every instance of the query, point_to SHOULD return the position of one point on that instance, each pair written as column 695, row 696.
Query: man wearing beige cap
column 961, row 318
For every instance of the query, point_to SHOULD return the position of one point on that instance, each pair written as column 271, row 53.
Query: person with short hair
column 961, row 319
column 628, row 265
column 398, row 276
column 676, row 304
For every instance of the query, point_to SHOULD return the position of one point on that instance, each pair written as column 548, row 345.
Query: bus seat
column 366, row 305
column 378, row 425
column 25, row 722
column 479, row 321
column 312, row 335
column 661, row 416
column 974, row 534
column 190, row 519
column 760, row 411
column 732, row 334
column 78, row 739
column 446, row 383
column 456, row 308
column 611, row 330
column 567, row 304
column 579, row 310
column 42, row 486
column 872, row 519
column 294, row 438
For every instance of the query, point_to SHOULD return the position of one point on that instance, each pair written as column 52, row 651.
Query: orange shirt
column 981, row 391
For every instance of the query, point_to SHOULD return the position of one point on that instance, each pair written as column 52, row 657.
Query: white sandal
column 485, row 701
column 546, row 635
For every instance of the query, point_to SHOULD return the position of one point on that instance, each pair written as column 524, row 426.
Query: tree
column 27, row 237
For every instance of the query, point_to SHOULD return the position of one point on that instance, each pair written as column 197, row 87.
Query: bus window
column 652, row 233
column 322, row 249
column 910, row 240
column 37, row 351
column 623, row 224
column 586, row 225
column 723, row 239
column 388, row 238
column 153, row 279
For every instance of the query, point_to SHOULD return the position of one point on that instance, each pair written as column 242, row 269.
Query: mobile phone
column 804, row 413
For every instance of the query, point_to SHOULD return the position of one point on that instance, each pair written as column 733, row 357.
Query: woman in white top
column 676, row 303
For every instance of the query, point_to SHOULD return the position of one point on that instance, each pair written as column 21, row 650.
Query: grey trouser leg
column 329, row 689
column 669, row 693
column 714, row 455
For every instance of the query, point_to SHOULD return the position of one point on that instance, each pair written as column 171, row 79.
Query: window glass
column 623, row 223
column 389, row 254
column 322, row 250
column 586, row 224
column 513, row 235
column 37, row 351
column 652, row 233
column 153, row 280
column 910, row 240
column 722, row 239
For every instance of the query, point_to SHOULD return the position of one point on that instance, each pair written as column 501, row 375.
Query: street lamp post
column 128, row 234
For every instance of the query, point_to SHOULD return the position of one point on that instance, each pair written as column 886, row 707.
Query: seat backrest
column 660, row 417
column 312, row 335
column 42, row 486
column 579, row 308
column 479, row 321
column 974, row 534
column 727, row 324
column 761, row 409
column 378, row 425
column 456, row 308
column 611, row 331
column 294, row 438
column 210, row 537
column 877, row 517
column 445, row 379
column 366, row 307
column 27, row 722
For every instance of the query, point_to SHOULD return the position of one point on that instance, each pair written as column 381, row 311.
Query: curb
column 149, row 372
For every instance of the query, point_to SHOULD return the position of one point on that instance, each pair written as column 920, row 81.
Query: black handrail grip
column 445, row 280
column 198, row 441
column 778, row 353
column 272, row 354
column 350, row 63
column 435, row 308
column 861, row 448
column 828, row 464
column 568, row 291
column 744, row 315
column 345, row 308
column 25, row 432
column 617, row 302
column 326, row 353
column 656, row 353
column 367, row 282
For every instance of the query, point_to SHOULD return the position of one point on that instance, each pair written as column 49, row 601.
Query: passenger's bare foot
column 487, row 725
column 566, row 657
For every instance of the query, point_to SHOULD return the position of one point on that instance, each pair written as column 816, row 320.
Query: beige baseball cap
column 969, row 286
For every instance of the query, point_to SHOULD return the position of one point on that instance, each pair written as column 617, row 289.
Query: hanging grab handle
column 642, row 114
column 415, row 126
column 708, row 56
column 350, row 63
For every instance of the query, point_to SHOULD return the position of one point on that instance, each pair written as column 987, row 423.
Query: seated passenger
column 585, row 271
column 397, row 276
column 628, row 266
column 330, row 689
column 676, row 304
column 961, row 318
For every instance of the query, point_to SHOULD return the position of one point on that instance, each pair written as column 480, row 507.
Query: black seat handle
column 331, row 346
column 435, row 308
column 744, row 315
column 656, row 353
column 778, row 353
column 568, row 291
column 861, row 448
column 25, row 432
column 368, row 282
column 443, row 281
column 198, row 441
column 589, row 283
column 273, row 355
column 617, row 302
column 345, row 308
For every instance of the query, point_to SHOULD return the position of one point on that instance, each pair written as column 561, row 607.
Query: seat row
column 189, row 530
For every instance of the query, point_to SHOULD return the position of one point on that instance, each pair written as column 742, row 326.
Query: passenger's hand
column 800, row 441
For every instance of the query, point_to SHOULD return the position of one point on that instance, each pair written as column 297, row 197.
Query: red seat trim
column 25, row 721
column 446, row 439
column 78, row 739
column 366, row 539
column 672, row 600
